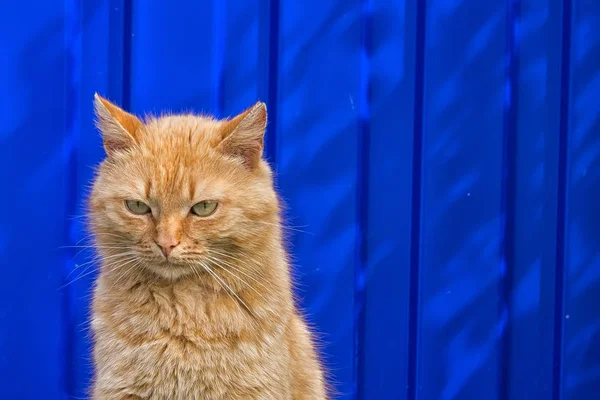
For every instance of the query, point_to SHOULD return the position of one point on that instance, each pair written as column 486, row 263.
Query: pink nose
column 167, row 244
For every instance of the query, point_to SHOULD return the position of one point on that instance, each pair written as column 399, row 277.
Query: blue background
column 442, row 159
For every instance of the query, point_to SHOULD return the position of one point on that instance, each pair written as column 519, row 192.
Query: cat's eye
column 137, row 207
column 204, row 208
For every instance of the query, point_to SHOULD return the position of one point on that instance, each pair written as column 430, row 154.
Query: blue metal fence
column 440, row 160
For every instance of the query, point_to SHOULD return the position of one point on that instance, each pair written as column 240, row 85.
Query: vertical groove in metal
column 218, row 53
column 73, row 54
column 126, row 52
column 273, row 89
column 362, row 196
column 508, row 205
column 268, row 69
column 416, row 201
column 565, row 73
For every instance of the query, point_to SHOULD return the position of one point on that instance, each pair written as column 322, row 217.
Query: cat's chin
column 170, row 271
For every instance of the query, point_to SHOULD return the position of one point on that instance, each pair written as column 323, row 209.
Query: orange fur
column 215, row 319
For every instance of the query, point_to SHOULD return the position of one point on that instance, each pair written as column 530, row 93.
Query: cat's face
column 180, row 194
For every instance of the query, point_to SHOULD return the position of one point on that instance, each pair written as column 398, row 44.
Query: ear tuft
column 119, row 129
column 243, row 136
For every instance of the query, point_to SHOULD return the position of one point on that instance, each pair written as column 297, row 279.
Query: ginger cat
column 193, row 299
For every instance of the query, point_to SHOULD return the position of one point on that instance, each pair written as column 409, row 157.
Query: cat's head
column 181, row 193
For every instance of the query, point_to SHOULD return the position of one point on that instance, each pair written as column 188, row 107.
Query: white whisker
column 282, row 226
column 225, row 285
column 251, row 267
column 195, row 270
column 135, row 265
column 220, row 263
column 96, row 247
column 235, row 259
column 82, row 275
column 97, row 258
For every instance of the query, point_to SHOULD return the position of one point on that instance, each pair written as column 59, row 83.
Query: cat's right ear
column 119, row 128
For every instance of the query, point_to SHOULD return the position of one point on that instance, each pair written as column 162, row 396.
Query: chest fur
column 188, row 344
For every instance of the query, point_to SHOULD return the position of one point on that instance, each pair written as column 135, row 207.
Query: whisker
column 79, row 277
column 77, row 255
column 135, row 265
column 235, row 259
column 282, row 226
column 207, row 269
column 219, row 261
column 91, row 236
column 99, row 234
column 243, row 281
column 195, row 270
column 225, row 285
column 112, row 246
column 98, row 262
column 98, row 258
column 74, row 217
column 124, row 262
column 92, row 246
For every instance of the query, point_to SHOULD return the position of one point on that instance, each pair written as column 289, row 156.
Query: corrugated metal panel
column 440, row 163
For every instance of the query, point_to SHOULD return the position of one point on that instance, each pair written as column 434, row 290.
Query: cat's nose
column 167, row 244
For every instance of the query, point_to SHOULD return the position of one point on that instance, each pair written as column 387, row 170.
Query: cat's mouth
column 170, row 263
column 174, row 266
column 170, row 269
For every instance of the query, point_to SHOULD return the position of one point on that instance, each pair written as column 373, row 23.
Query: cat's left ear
column 243, row 136
column 120, row 129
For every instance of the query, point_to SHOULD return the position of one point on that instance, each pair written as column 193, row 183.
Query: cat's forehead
column 190, row 128
column 177, row 159
column 172, row 144
column 160, row 181
column 169, row 173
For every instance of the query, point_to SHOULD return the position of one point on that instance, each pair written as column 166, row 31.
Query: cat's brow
column 148, row 188
column 192, row 188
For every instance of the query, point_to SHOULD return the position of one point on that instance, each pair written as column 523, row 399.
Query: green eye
column 204, row 208
column 137, row 207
